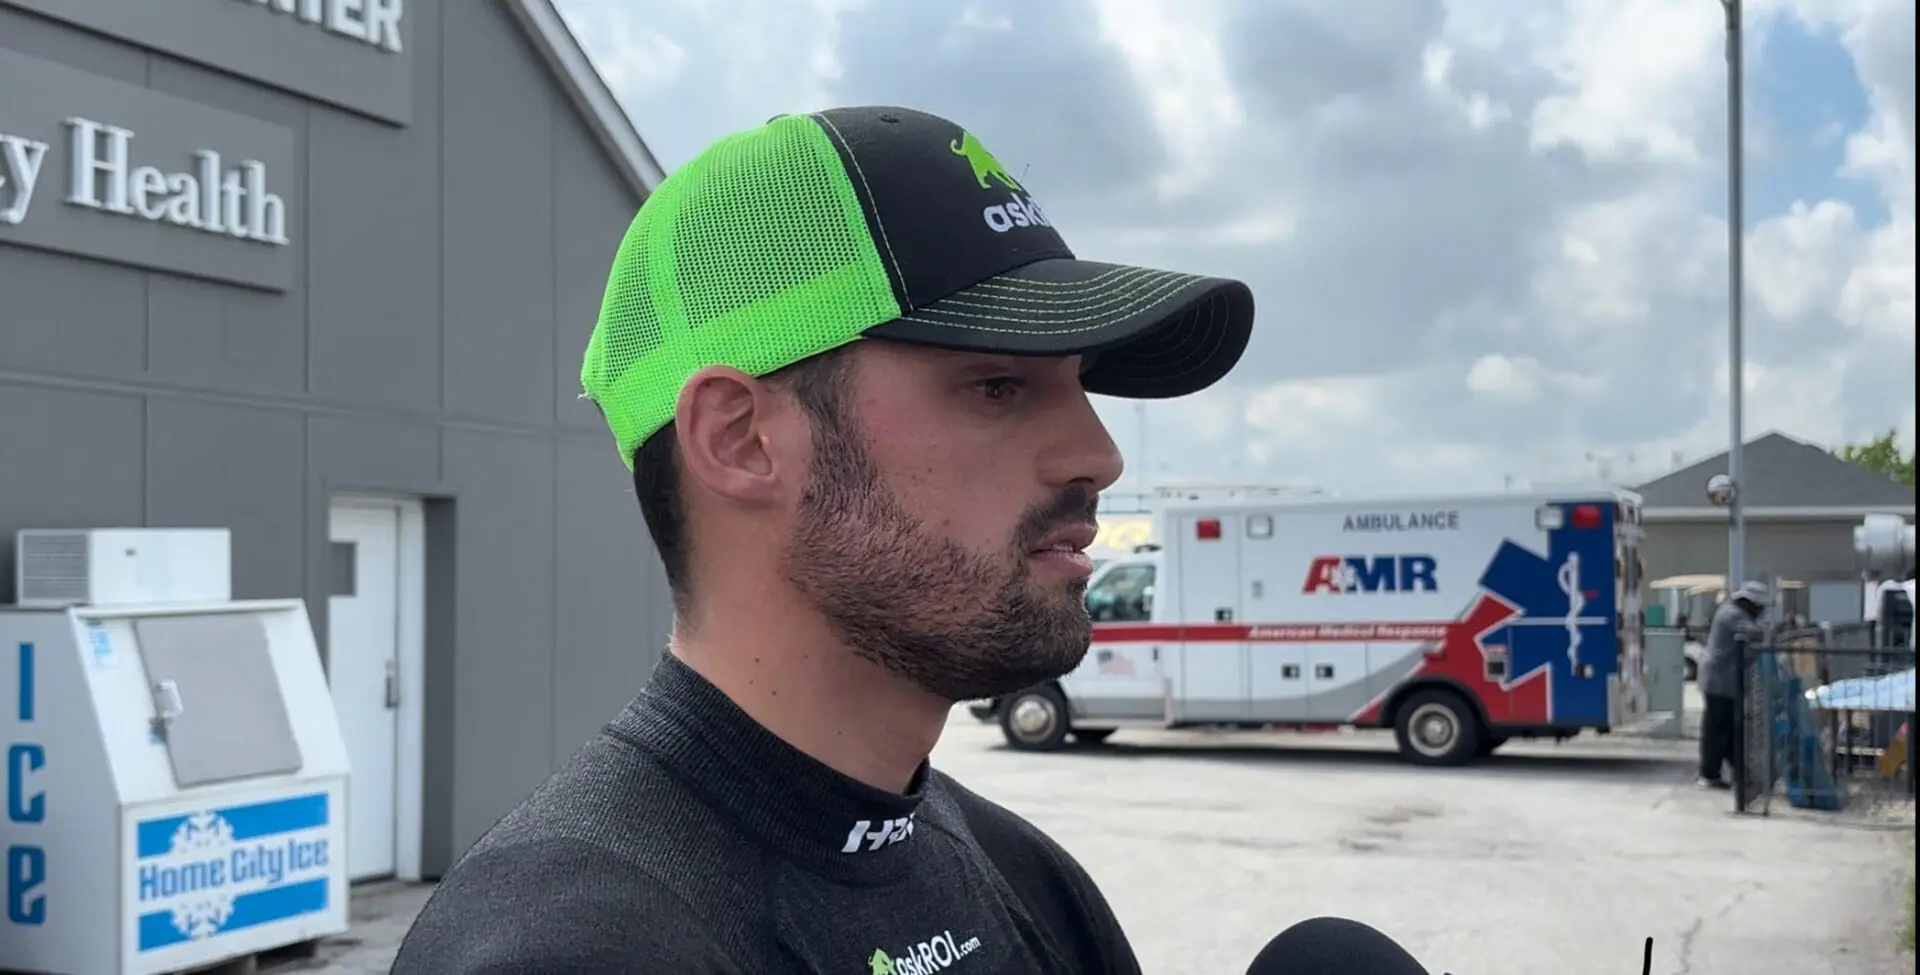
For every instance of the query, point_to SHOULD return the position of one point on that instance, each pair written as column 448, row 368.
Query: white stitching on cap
column 1058, row 311
column 1134, row 303
column 1214, row 339
column 877, row 221
column 1094, row 283
column 1197, row 353
column 1137, row 301
column 1143, row 279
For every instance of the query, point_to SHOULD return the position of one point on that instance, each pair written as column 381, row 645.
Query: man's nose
column 1085, row 453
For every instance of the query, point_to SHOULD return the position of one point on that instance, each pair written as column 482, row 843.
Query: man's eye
column 1002, row 388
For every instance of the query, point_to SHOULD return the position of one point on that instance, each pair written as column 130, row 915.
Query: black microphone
column 1333, row 946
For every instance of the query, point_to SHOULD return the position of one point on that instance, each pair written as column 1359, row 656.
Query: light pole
column 1736, row 284
column 1140, row 431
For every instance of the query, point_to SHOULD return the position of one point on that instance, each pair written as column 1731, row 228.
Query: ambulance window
column 1125, row 595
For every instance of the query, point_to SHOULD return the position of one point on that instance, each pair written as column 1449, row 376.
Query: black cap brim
column 1150, row 334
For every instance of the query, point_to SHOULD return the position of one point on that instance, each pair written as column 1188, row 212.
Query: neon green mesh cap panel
column 803, row 235
column 756, row 255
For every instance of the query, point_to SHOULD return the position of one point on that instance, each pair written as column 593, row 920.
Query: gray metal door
column 1666, row 678
column 217, row 697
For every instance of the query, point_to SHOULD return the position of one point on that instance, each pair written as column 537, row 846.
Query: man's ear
column 721, row 427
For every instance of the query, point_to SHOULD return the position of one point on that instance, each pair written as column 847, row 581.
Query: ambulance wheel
column 1437, row 727
column 1034, row 720
column 1092, row 736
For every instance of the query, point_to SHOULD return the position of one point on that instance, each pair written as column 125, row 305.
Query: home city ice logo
column 211, row 872
column 205, row 837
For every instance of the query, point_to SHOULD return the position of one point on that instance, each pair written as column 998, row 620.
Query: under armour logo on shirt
column 871, row 836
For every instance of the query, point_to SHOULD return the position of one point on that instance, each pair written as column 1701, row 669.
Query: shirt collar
column 806, row 811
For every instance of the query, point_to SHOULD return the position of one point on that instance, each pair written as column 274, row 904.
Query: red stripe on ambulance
column 1396, row 632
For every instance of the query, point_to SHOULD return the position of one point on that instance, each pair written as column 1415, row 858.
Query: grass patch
column 1906, row 935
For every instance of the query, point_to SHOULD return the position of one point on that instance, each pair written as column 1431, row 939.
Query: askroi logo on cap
column 1019, row 210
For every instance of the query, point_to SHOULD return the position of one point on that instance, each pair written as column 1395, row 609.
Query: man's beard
column 960, row 624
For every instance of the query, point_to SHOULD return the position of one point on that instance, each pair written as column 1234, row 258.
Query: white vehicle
column 1458, row 622
column 1687, row 602
column 1121, row 535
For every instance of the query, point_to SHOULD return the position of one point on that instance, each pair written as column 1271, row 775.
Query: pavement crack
column 1686, row 945
column 1693, row 930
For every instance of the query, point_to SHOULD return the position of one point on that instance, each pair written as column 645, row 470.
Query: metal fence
column 1825, row 722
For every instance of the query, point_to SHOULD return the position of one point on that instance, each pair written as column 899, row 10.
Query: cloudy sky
column 1487, row 237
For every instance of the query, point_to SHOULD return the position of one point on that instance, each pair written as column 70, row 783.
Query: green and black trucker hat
column 812, row 231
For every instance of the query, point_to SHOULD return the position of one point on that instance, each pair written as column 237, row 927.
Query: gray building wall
column 447, row 274
column 1811, row 550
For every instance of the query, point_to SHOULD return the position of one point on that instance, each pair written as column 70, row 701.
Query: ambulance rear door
column 1203, row 552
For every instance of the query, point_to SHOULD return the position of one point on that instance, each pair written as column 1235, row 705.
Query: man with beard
column 848, row 360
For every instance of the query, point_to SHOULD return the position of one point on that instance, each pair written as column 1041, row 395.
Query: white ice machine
column 176, row 780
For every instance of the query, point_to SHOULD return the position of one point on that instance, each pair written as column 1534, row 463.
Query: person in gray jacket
column 1735, row 620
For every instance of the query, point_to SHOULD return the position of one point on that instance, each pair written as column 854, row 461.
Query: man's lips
column 1072, row 538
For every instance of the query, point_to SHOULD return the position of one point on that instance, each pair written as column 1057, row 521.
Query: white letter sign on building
column 212, row 197
column 375, row 22
column 356, row 54
column 97, row 167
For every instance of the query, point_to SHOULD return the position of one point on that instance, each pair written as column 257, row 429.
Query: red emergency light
column 1585, row 516
column 1207, row 529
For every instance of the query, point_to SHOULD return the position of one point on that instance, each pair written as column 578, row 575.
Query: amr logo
column 1370, row 574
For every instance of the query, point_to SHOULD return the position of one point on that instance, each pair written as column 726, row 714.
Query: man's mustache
column 1073, row 506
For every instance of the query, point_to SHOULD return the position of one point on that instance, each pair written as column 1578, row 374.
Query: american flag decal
column 1113, row 665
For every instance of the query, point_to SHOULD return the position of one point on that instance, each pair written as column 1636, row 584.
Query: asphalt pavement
column 1546, row 858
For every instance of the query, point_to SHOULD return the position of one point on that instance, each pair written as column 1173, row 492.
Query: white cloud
column 1631, row 73
column 1477, row 107
column 1878, row 296
column 1517, row 380
column 1800, row 258
column 1487, row 238
column 1614, row 262
column 1174, row 53
column 1306, row 414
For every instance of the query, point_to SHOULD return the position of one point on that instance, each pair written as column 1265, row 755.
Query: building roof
column 590, row 94
column 1784, row 473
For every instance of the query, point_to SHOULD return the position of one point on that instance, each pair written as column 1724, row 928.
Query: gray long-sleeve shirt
column 688, row 840
column 1720, row 661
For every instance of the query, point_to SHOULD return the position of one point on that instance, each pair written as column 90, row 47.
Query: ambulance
column 1459, row 623
column 1121, row 535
